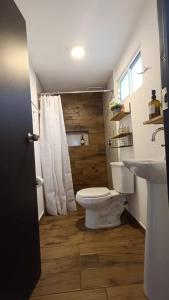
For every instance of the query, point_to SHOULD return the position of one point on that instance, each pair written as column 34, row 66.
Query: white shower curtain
column 58, row 185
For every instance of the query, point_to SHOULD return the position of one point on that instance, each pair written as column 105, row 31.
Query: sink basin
column 151, row 170
column 156, row 263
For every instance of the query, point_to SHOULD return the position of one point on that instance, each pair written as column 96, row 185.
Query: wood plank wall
column 84, row 112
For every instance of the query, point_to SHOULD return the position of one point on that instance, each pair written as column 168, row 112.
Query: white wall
column 35, row 89
column 145, row 37
column 112, row 154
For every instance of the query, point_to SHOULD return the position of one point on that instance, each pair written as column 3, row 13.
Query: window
column 132, row 79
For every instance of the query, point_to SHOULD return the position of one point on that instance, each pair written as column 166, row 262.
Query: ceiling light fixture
column 77, row 52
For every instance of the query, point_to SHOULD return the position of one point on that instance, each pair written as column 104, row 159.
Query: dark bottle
column 154, row 106
column 82, row 141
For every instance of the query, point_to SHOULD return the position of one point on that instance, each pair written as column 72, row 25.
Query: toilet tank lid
column 117, row 163
column 94, row 192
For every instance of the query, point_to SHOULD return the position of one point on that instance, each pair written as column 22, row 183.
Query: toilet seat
column 97, row 197
column 95, row 192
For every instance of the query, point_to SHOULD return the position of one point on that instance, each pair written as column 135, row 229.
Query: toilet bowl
column 103, row 206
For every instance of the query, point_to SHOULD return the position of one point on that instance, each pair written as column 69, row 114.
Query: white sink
column 156, row 275
column 151, row 170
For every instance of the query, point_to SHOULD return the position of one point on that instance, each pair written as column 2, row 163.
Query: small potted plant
column 116, row 106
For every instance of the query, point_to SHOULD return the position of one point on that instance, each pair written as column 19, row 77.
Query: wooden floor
column 80, row 264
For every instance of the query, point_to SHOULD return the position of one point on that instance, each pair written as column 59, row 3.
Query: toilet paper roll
column 39, row 181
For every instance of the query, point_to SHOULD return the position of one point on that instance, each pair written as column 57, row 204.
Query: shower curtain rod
column 77, row 92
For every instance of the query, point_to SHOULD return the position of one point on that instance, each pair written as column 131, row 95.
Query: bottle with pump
column 154, row 106
column 82, row 141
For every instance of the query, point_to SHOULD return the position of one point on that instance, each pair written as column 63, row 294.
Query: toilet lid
column 94, row 192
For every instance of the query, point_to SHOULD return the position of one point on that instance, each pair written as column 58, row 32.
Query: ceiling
column 102, row 27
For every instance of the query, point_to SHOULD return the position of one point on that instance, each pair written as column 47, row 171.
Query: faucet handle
column 163, row 145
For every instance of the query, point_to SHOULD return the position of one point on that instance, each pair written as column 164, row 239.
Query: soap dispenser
column 154, row 106
column 82, row 141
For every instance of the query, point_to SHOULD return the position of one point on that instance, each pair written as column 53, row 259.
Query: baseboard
column 142, row 225
column 134, row 222
column 41, row 217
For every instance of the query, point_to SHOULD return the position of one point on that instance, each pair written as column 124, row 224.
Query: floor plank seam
column 107, row 296
column 67, row 293
column 81, row 281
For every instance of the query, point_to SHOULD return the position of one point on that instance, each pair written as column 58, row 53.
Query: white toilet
column 103, row 206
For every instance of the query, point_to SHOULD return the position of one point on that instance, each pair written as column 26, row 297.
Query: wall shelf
column 119, row 116
column 156, row 120
column 74, row 138
column 122, row 140
column 125, row 146
column 121, row 135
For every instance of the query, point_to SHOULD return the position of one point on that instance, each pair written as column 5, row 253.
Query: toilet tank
column 123, row 179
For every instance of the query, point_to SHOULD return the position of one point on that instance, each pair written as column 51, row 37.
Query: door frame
column 163, row 21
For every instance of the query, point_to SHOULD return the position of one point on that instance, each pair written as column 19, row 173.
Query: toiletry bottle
column 82, row 141
column 154, row 106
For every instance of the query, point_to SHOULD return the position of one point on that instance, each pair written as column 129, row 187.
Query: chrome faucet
column 155, row 133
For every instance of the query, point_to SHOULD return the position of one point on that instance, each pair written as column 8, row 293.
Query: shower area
column 72, row 147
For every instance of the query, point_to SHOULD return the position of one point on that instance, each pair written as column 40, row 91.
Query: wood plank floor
column 89, row 265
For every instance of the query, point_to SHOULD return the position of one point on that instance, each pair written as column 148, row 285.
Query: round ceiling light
column 77, row 52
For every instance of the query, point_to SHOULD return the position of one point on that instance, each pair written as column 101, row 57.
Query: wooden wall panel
column 85, row 112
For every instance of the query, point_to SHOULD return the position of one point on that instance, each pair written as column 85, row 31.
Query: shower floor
column 89, row 265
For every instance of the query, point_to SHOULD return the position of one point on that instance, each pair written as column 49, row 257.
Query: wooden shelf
column 119, row 115
column 125, row 146
column 156, row 120
column 120, row 135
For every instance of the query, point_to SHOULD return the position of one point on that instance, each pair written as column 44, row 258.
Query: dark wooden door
column 19, row 232
column 163, row 16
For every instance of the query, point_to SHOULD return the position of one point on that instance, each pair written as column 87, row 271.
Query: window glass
column 124, row 87
column 136, row 78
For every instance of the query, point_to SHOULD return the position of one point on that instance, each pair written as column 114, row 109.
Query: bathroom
column 107, row 242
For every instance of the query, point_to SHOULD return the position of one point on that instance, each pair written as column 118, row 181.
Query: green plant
column 115, row 104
